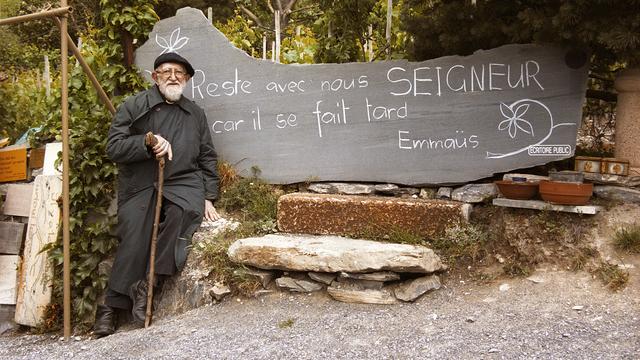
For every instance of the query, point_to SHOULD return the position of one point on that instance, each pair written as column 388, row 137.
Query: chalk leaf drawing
column 175, row 42
column 514, row 122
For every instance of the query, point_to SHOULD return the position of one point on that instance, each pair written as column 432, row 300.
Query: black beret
column 173, row 58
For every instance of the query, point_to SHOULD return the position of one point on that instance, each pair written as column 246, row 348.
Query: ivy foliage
column 92, row 174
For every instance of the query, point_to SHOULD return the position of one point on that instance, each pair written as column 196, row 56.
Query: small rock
column 535, row 279
column 362, row 296
column 504, row 287
column 355, row 284
column 219, row 291
column 475, row 193
column 412, row 289
column 325, row 278
column 375, row 276
column 444, row 193
column 297, row 285
column 499, row 258
column 77, row 338
column 494, row 350
column 578, row 308
column 566, row 335
column 386, row 189
column 428, row 193
column 84, row 347
column 470, row 320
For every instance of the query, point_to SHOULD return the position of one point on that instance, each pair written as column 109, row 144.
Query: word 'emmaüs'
column 411, row 82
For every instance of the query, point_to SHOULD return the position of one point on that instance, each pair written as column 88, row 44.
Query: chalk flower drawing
column 175, row 42
column 514, row 120
column 514, row 113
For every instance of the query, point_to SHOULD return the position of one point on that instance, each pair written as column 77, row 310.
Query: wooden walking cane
column 152, row 141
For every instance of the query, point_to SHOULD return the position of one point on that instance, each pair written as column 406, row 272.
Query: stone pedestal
column 628, row 118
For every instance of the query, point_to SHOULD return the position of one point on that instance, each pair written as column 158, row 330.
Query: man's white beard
column 171, row 92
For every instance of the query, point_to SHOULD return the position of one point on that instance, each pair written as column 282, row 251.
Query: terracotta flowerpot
column 517, row 190
column 565, row 193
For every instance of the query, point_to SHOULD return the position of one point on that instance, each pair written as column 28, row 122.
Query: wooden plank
column 34, row 284
column 36, row 158
column 542, row 205
column 18, row 201
column 13, row 164
column 8, row 276
column 11, row 236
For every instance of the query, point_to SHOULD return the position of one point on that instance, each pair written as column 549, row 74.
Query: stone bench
column 352, row 215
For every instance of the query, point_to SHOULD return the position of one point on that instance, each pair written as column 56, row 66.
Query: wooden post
column 66, row 269
column 388, row 33
column 277, row 15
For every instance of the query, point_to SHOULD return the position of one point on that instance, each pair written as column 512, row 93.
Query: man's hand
column 162, row 148
column 210, row 212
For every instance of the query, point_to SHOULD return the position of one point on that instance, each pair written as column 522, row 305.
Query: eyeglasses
column 166, row 74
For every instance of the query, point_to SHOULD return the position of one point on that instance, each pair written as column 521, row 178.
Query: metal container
column 588, row 164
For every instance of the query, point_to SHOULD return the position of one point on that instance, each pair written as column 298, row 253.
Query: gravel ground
column 560, row 315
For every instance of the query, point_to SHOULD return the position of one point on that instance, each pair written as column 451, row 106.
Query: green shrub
column 628, row 238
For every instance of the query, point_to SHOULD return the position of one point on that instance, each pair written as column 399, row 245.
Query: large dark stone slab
column 451, row 119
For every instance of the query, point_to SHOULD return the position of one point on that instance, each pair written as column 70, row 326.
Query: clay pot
column 517, row 190
column 565, row 193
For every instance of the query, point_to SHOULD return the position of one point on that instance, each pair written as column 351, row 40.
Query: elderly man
column 190, row 186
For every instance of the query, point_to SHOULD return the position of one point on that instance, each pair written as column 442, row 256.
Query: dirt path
column 554, row 315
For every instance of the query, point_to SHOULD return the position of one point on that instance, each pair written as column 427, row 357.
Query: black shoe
column 138, row 295
column 105, row 321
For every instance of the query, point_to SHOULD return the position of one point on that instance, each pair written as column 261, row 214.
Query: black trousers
column 171, row 218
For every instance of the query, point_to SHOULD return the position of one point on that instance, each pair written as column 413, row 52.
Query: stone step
column 332, row 254
column 353, row 215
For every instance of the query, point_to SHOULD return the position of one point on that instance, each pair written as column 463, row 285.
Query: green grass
column 628, row 238
column 286, row 323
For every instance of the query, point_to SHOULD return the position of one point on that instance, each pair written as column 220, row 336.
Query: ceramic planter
column 565, row 193
column 517, row 190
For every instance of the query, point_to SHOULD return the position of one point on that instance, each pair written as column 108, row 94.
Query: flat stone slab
column 356, row 215
column 367, row 296
column 332, row 254
column 617, row 193
column 609, row 179
column 542, row 205
column 475, row 193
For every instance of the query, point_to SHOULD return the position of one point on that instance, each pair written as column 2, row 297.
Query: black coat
column 188, row 179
